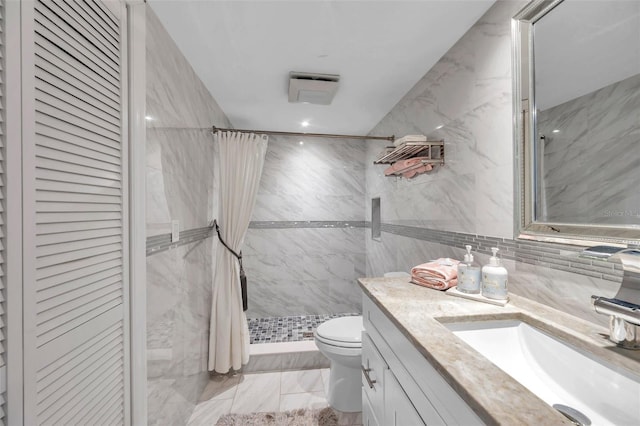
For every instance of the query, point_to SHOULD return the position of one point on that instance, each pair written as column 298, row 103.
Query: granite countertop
column 497, row 398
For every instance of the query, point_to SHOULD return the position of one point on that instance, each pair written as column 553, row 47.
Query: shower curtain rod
column 215, row 129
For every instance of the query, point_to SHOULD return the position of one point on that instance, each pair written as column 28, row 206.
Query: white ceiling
column 243, row 51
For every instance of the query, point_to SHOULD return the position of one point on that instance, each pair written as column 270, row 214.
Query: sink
column 577, row 383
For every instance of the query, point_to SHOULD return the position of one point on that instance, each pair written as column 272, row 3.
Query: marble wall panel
column 296, row 271
column 469, row 93
column 381, row 255
column 465, row 100
column 180, row 185
column 320, row 179
column 299, row 271
column 561, row 290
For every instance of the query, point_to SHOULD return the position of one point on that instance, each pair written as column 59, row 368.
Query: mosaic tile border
column 160, row 243
column 287, row 329
column 551, row 255
column 287, row 224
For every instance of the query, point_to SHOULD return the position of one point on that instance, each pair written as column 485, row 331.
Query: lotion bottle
column 494, row 278
column 468, row 274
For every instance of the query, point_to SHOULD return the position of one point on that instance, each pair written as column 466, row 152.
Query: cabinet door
column 399, row 411
column 373, row 366
column 368, row 418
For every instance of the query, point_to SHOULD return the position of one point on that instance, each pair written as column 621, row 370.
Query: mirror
column 577, row 98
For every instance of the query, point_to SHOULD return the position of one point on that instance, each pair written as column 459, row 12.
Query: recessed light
column 148, row 118
column 440, row 127
column 305, row 123
column 556, row 131
column 301, row 142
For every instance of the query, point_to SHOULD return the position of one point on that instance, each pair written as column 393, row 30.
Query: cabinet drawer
column 373, row 367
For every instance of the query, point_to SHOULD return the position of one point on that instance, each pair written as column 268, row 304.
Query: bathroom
column 309, row 237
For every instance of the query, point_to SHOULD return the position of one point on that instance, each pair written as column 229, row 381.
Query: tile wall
column 471, row 199
column 180, row 185
column 305, row 246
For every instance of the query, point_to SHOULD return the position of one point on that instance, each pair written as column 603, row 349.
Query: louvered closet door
column 75, row 310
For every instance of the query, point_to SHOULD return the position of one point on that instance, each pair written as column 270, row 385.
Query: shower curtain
column 241, row 161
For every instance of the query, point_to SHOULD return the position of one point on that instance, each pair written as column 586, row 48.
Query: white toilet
column 340, row 340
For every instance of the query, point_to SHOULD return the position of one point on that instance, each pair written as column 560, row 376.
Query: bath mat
column 301, row 417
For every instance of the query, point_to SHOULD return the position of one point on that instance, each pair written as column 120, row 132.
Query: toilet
column 340, row 340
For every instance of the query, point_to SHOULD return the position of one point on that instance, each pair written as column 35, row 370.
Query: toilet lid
column 344, row 331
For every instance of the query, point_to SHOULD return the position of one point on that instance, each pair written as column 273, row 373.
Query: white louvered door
column 75, row 214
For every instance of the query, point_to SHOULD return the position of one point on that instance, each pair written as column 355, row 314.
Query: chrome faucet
column 624, row 308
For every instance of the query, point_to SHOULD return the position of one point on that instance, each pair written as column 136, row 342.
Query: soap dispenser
column 494, row 278
column 468, row 274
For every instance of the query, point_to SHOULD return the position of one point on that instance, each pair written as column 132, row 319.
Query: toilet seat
column 343, row 332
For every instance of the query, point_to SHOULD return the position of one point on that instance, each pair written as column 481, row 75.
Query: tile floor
column 258, row 392
column 287, row 329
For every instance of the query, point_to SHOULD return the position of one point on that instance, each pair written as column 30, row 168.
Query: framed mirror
column 577, row 121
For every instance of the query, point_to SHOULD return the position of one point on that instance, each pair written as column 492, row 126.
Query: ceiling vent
column 312, row 88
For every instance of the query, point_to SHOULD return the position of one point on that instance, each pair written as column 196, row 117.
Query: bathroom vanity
column 417, row 371
column 400, row 387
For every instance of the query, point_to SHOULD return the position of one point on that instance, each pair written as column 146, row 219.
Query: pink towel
column 413, row 172
column 401, row 165
column 439, row 274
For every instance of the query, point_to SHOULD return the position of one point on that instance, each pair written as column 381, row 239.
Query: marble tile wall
column 307, row 269
column 465, row 99
column 593, row 132
column 469, row 93
column 180, row 185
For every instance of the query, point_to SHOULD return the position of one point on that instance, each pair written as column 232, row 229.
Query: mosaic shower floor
column 287, row 329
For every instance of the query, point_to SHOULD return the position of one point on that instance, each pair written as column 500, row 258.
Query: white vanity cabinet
column 374, row 376
column 398, row 408
column 400, row 387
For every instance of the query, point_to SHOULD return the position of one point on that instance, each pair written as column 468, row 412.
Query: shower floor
column 287, row 329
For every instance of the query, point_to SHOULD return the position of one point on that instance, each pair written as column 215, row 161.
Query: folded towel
column 439, row 274
column 418, row 170
column 410, row 138
column 400, row 167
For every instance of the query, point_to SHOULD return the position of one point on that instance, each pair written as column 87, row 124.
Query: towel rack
column 411, row 168
column 433, row 150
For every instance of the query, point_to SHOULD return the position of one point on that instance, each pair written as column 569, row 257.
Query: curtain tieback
column 243, row 277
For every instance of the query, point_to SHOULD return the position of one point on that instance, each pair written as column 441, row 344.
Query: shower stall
column 305, row 247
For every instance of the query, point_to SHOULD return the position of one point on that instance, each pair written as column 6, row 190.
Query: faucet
column 624, row 308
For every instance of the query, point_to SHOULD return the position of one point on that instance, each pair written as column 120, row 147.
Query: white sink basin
column 555, row 371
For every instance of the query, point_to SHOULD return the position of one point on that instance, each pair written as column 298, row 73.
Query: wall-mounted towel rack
column 432, row 150
column 411, row 158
